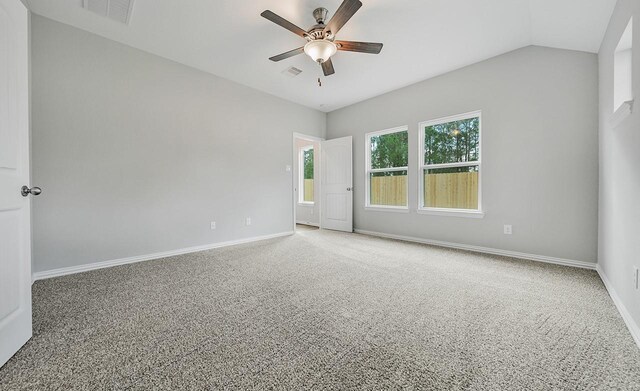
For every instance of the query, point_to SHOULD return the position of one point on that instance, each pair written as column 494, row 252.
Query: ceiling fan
column 321, row 43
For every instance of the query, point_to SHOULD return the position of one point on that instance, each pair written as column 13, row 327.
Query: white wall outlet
column 287, row 168
column 508, row 229
column 248, row 221
column 213, row 225
column 636, row 276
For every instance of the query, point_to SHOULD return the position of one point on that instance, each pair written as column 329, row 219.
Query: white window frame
column 622, row 109
column 301, row 152
column 472, row 213
column 369, row 171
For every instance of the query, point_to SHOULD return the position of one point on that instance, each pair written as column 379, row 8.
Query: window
column 387, row 167
column 306, row 175
column 623, row 69
column 450, row 165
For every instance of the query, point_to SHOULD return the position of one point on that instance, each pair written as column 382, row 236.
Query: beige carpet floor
column 327, row 311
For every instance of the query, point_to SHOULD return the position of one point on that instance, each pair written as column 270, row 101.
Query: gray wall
column 619, row 222
column 137, row 154
column 539, row 151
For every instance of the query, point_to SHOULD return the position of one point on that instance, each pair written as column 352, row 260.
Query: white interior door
column 15, row 212
column 336, row 184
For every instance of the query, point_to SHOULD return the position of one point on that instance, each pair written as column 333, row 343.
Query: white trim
column 393, row 169
column 397, row 129
column 468, row 213
column 368, row 170
column 622, row 113
column 449, row 165
column 422, row 166
column 382, row 208
column 484, row 250
column 633, row 327
column 147, row 257
column 307, row 137
column 451, row 118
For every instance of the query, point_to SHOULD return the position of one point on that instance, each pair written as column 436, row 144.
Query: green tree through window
column 450, row 166
column 307, row 181
column 308, row 164
column 452, row 142
column 387, row 168
column 390, row 150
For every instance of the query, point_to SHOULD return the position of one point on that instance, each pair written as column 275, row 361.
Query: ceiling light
column 320, row 50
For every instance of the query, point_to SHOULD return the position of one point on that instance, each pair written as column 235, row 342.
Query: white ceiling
column 422, row 38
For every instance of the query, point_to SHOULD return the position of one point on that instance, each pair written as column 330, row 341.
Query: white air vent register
column 292, row 71
column 118, row 10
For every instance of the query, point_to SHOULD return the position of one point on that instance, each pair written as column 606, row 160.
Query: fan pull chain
column 319, row 83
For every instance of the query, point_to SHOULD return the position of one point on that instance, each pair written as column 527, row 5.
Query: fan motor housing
column 317, row 32
column 320, row 15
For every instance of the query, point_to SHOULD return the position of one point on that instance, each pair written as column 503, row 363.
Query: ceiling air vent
column 292, row 71
column 118, row 10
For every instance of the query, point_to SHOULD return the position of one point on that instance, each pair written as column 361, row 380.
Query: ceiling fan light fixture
column 320, row 50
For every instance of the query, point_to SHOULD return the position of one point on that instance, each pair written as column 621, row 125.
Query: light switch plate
column 508, row 229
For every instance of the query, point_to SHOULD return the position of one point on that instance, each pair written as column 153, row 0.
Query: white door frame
column 294, row 178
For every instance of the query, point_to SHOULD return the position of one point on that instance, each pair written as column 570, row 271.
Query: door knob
column 34, row 190
column 348, row 189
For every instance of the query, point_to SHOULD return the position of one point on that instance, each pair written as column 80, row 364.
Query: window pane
column 390, row 150
column 452, row 142
column 307, row 157
column 388, row 188
column 455, row 187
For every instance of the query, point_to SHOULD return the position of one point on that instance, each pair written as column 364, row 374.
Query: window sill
column 396, row 209
column 309, row 204
column 472, row 214
column 622, row 113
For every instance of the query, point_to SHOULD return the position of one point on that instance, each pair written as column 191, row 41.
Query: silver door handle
column 25, row 191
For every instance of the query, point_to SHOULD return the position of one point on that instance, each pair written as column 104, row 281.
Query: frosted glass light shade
column 320, row 50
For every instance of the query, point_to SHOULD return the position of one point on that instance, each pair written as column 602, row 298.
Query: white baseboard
column 147, row 257
column 633, row 327
column 485, row 250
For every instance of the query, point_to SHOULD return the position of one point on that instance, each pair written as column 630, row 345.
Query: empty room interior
column 319, row 195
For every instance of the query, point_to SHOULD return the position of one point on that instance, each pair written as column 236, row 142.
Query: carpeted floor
column 330, row 311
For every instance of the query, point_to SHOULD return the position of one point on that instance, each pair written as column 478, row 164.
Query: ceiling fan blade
column 288, row 54
column 327, row 68
column 346, row 10
column 279, row 20
column 360, row 47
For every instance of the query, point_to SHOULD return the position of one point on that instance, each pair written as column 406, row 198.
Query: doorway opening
column 306, row 181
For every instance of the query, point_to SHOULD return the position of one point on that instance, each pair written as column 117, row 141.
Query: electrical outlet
column 508, row 229
column 248, row 221
column 213, row 225
column 287, row 168
column 635, row 278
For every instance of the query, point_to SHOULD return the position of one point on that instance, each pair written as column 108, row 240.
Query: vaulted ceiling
column 422, row 38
